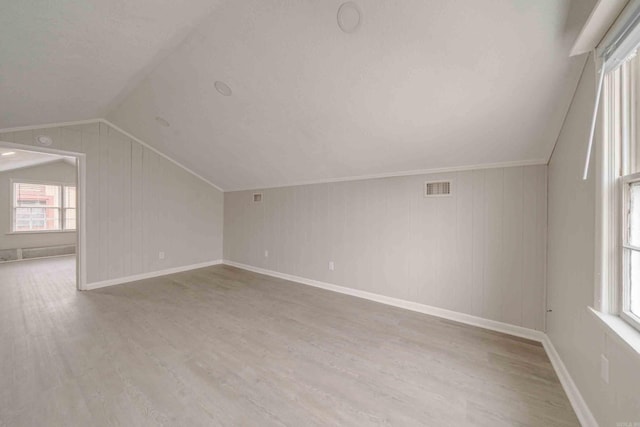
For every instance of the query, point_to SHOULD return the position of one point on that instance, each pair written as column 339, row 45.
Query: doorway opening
column 42, row 210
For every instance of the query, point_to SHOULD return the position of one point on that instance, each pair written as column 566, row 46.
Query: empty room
column 320, row 213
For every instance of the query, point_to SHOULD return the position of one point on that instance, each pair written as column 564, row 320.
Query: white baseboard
column 37, row 259
column 468, row 319
column 578, row 403
column 134, row 278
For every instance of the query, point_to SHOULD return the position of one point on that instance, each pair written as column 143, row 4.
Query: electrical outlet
column 266, row 254
column 604, row 369
column 331, row 266
column 160, row 255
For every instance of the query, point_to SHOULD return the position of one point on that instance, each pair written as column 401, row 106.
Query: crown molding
column 117, row 128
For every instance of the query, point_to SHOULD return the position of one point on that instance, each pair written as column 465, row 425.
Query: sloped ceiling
column 420, row 84
column 23, row 159
column 64, row 60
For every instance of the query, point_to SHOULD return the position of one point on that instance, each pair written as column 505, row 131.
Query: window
column 43, row 207
column 622, row 92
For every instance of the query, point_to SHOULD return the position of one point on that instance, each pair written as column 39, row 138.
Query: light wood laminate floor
column 223, row 346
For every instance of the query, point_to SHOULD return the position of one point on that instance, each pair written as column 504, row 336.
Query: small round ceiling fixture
column 349, row 17
column 162, row 121
column 223, row 88
column 44, row 140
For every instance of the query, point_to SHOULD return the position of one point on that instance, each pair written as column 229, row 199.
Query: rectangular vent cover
column 435, row 189
column 257, row 197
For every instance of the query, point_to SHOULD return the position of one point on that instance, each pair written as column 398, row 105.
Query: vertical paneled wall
column 138, row 204
column 480, row 251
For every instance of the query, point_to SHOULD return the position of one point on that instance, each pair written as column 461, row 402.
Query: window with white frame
column 621, row 93
column 39, row 207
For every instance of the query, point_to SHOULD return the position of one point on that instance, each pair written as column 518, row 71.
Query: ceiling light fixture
column 8, row 153
column 44, row 140
column 349, row 17
column 223, row 88
column 162, row 121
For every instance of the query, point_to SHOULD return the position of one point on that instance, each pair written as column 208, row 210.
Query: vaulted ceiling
column 419, row 84
column 11, row 159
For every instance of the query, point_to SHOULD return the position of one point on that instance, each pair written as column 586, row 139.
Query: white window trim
column 607, row 239
column 61, row 207
column 608, row 218
column 625, row 303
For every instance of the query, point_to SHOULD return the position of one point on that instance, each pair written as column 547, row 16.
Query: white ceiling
column 64, row 60
column 420, row 84
column 24, row 159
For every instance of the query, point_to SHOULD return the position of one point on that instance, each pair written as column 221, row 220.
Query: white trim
column 600, row 20
column 122, row 131
column 509, row 164
column 38, row 258
column 61, row 208
column 578, row 403
column 575, row 398
column 619, row 329
column 81, row 229
column 468, row 319
column 150, row 275
column 13, row 233
column 141, row 142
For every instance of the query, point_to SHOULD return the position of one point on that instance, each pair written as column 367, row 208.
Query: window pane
column 634, row 214
column 37, row 207
column 36, row 195
column 36, row 219
column 69, row 219
column 69, row 197
column 634, row 283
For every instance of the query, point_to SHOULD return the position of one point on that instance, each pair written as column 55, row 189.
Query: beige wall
column 576, row 334
column 138, row 204
column 58, row 172
column 480, row 251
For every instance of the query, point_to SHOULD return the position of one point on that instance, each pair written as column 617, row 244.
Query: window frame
column 61, row 208
column 625, row 301
column 618, row 159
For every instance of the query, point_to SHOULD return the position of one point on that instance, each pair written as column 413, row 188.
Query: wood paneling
column 138, row 204
column 479, row 251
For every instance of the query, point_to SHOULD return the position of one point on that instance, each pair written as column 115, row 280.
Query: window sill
column 622, row 331
column 39, row 232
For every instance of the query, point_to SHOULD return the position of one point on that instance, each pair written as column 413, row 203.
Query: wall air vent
column 437, row 189
column 257, row 197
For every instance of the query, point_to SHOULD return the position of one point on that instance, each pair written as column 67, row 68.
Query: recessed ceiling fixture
column 8, row 153
column 162, row 121
column 349, row 17
column 223, row 88
column 44, row 140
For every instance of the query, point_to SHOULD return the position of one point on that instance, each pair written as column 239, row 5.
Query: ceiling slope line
column 463, row 168
column 566, row 114
column 160, row 153
column 481, row 166
column 115, row 127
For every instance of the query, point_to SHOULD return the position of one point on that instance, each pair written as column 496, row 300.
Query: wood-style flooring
column 223, row 346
